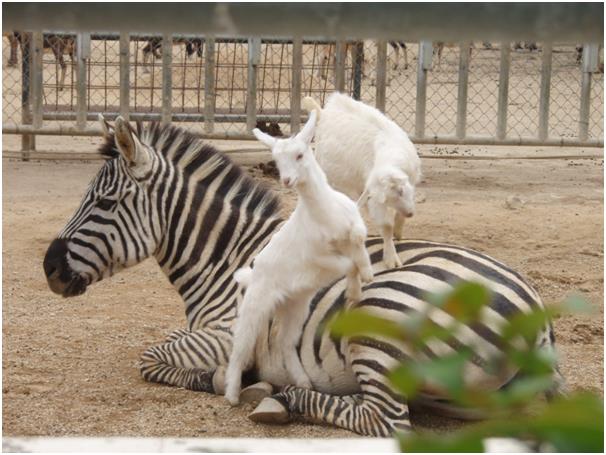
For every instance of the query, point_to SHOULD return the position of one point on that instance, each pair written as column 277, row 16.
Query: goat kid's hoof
column 256, row 392
column 219, row 381
column 392, row 263
column 233, row 398
column 270, row 410
column 366, row 276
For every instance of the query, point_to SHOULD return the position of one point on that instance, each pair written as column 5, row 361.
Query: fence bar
column 381, row 79
column 28, row 141
column 588, row 65
column 82, row 53
column 124, row 75
column 254, row 57
column 545, row 90
column 36, row 82
column 340, row 57
column 167, row 78
column 295, row 98
column 424, row 64
column 503, row 91
column 464, row 50
column 209, row 86
column 357, row 56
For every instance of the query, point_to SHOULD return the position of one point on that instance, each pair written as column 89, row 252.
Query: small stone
column 514, row 202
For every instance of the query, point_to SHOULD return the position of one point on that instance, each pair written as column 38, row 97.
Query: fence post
column 28, row 141
column 254, row 57
column 503, row 91
column 424, row 64
column 209, row 86
column 124, row 75
column 167, row 78
column 381, row 75
column 36, row 82
column 340, row 58
column 589, row 64
column 82, row 53
column 295, row 99
column 544, row 94
column 462, row 91
column 358, row 66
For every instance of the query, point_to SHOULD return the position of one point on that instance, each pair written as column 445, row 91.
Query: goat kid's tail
column 243, row 276
column 309, row 104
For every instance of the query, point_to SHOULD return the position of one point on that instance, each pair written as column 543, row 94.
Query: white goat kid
column 321, row 241
column 367, row 156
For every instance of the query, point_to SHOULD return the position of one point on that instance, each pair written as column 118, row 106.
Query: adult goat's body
column 166, row 194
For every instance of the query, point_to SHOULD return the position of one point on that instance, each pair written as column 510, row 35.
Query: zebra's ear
column 107, row 129
column 129, row 145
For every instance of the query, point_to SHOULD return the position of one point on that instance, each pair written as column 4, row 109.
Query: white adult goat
column 367, row 156
column 321, row 241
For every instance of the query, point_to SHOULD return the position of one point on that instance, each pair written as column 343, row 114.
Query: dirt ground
column 69, row 365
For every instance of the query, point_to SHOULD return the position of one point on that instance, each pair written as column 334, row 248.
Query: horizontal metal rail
column 12, row 128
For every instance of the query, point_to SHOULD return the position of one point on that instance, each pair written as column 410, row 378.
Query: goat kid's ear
column 268, row 140
column 128, row 144
column 107, row 129
column 364, row 197
column 307, row 133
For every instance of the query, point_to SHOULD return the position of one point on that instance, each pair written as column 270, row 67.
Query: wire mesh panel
column 596, row 113
column 12, row 76
column 524, row 85
column 402, row 83
column 483, row 89
column 565, row 89
column 442, row 90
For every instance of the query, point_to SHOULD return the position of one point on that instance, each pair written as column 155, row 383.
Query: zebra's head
column 113, row 227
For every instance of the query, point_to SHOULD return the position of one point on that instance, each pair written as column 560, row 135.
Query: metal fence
column 486, row 93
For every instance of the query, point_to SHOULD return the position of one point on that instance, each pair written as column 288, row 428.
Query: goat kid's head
column 391, row 188
column 293, row 156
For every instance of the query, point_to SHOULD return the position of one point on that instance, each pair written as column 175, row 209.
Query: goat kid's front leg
column 361, row 272
column 390, row 255
column 399, row 226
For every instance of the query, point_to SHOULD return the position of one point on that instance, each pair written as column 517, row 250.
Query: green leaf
column 440, row 443
column 533, row 362
column 464, row 302
column 527, row 325
column 360, row 322
column 445, row 372
column 406, row 380
column 522, row 390
column 575, row 303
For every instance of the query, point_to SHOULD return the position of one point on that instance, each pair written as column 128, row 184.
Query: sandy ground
column 69, row 365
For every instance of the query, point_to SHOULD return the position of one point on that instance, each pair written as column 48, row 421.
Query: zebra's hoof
column 219, row 381
column 269, row 410
column 256, row 392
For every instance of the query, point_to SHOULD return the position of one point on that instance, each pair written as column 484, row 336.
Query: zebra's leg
column 187, row 359
column 361, row 413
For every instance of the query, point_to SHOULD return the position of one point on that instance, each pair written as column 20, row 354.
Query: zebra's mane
column 190, row 153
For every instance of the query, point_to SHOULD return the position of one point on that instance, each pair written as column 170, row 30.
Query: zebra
column 164, row 192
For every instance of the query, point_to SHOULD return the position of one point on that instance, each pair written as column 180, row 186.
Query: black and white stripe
column 202, row 217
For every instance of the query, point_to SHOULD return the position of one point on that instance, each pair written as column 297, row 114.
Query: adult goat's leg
column 187, row 359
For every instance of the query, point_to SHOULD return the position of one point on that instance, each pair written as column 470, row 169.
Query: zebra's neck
column 219, row 225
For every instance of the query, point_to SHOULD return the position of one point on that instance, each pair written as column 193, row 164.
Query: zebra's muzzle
column 60, row 277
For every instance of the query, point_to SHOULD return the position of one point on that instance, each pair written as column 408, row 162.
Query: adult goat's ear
column 107, row 129
column 265, row 138
column 307, row 133
column 129, row 145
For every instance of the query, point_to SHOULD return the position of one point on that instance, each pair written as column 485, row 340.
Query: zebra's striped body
column 202, row 218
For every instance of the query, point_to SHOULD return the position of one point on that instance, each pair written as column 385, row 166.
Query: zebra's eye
column 106, row 204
